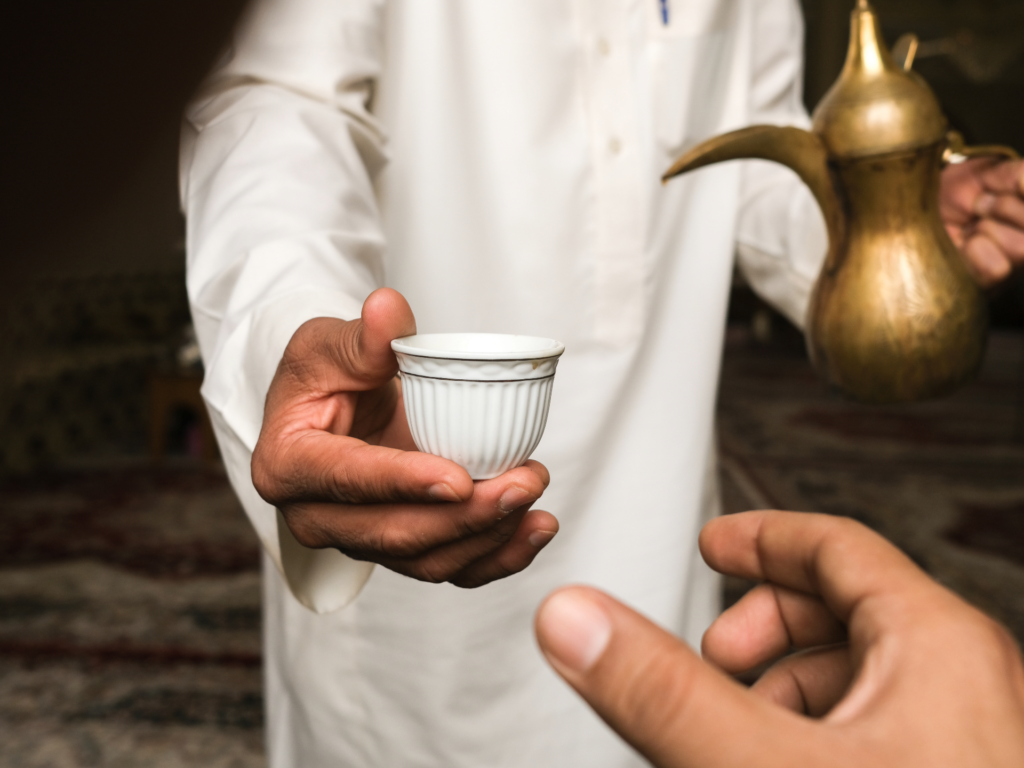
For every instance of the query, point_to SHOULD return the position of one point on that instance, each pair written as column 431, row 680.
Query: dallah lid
column 875, row 107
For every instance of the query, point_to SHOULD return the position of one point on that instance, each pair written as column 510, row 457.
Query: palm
column 378, row 417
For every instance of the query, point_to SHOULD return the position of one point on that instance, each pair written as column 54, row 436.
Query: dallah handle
column 956, row 151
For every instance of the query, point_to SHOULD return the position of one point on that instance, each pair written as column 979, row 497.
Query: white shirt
column 498, row 162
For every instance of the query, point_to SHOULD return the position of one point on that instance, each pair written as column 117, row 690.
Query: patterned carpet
column 129, row 621
column 129, row 595
column 944, row 480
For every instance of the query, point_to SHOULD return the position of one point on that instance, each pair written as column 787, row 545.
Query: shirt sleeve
column 278, row 159
column 781, row 236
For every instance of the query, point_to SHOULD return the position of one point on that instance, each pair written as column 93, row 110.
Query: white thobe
column 497, row 162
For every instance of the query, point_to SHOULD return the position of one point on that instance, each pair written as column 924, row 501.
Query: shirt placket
column 616, row 156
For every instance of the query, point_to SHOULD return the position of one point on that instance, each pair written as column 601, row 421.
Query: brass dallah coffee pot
column 894, row 315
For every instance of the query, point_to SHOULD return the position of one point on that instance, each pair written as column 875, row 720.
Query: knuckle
column 264, row 479
column 1002, row 642
column 466, row 528
column 993, row 646
column 336, row 480
column 652, row 714
column 302, row 348
column 304, row 527
column 308, row 338
column 477, row 522
column 399, row 542
column 847, row 526
column 306, row 537
column 499, row 534
column 845, row 533
column 346, row 347
column 345, row 483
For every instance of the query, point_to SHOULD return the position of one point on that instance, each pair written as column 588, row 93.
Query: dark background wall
column 972, row 54
column 92, row 301
column 93, row 98
column 95, row 90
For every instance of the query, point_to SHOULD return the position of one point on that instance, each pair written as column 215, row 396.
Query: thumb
column 327, row 355
column 658, row 695
column 365, row 346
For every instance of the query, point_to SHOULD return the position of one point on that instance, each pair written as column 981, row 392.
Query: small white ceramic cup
column 478, row 399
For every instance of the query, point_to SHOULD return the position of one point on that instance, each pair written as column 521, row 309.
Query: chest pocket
column 674, row 19
column 690, row 52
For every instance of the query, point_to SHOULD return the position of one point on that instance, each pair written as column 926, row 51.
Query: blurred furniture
column 75, row 351
column 177, row 389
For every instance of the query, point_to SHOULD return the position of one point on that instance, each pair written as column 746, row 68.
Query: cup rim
column 478, row 346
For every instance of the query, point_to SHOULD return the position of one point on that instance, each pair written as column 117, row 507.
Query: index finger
column 835, row 557
column 317, row 466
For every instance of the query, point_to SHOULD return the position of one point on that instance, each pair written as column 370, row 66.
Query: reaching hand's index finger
column 835, row 557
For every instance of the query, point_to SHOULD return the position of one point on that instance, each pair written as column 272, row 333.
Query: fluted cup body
column 480, row 400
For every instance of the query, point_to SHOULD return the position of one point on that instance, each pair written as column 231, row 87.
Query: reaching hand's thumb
column 656, row 693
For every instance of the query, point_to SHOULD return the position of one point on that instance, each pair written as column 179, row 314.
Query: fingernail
column 573, row 630
column 513, row 498
column 984, row 204
column 540, row 539
column 442, row 492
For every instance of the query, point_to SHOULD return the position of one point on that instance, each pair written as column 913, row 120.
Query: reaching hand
column 335, row 455
column 982, row 204
column 900, row 671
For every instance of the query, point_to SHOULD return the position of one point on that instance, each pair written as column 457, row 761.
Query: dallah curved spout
column 799, row 150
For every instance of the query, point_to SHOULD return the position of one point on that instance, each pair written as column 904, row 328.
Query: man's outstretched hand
column 895, row 670
column 335, row 455
column 982, row 204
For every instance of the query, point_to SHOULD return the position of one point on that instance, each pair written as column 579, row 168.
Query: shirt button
column 603, row 47
column 614, row 146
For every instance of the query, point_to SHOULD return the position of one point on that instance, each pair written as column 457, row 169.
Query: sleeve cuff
column 323, row 580
column 782, row 243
